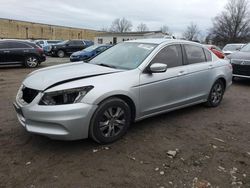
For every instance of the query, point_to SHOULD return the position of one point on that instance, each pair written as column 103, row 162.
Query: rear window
column 232, row 47
column 195, row 54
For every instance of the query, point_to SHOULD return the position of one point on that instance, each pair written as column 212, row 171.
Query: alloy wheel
column 32, row 62
column 112, row 122
column 217, row 93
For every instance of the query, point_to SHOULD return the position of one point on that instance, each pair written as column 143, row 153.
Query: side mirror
column 158, row 68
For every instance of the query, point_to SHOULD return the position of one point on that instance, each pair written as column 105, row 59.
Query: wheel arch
column 127, row 99
column 223, row 79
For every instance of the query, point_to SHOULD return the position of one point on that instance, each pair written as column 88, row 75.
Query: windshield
column 127, row 55
column 246, row 48
column 54, row 41
column 232, row 47
column 63, row 42
column 91, row 48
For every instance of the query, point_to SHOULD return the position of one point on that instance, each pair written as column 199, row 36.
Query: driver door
column 167, row 90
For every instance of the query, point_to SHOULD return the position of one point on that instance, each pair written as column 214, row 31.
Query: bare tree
column 142, row 27
column 104, row 29
column 164, row 29
column 121, row 25
column 192, row 32
column 232, row 25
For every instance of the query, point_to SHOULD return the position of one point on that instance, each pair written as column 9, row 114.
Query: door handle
column 182, row 73
column 210, row 66
column 6, row 51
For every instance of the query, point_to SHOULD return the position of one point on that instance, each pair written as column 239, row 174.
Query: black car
column 68, row 47
column 20, row 52
column 240, row 61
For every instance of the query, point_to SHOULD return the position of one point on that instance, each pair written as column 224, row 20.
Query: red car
column 216, row 50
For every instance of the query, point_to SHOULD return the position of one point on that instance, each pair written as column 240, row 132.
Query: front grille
column 29, row 94
column 243, row 70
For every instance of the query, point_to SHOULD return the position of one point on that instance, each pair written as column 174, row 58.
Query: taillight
column 39, row 50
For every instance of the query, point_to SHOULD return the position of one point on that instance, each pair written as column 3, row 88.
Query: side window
column 170, row 55
column 208, row 55
column 195, row 54
column 71, row 43
column 18, row 45
column 3, row 45
column 78, row 43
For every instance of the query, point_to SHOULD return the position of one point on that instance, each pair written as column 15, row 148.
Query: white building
column 114, row 38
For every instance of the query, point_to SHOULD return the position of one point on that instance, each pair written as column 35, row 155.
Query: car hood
column 52, row 76
column 240, row 55
column 228, row 51
column 80, row 53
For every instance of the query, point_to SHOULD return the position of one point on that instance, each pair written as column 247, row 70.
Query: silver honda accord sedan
column 129, row 82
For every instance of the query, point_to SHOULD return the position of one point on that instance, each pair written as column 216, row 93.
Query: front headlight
column 68, row 96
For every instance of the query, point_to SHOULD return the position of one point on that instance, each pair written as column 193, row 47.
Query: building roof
column 143, row 33
column 46, row 24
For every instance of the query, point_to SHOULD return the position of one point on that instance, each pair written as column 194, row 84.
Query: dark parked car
column 20, row 52
column 68, row 47
column 240, row 61
column 89, row 52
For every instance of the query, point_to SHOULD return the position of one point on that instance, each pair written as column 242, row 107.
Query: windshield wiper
column 106, row 65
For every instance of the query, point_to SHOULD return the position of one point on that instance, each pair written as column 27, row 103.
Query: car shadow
column 241, row 81
column 16, row 66
column 149, row 125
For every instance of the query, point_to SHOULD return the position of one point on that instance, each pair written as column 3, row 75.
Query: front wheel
column 216, row 94
column 110, row 121
column 60, row 53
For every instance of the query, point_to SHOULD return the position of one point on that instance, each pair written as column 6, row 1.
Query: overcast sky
column 97, row 14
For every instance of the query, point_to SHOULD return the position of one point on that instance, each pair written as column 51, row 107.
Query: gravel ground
column 193, row 147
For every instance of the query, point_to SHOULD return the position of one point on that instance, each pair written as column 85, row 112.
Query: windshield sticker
column 145, row 46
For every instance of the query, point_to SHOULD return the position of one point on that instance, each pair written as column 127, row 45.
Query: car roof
column 15, row 40
column 161, row 40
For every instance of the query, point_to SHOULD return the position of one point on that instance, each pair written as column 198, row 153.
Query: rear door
column 18, row 51
column 5, row 52
column 200, row 69
column 3, row 47
column 74, row 46
column 79, row 45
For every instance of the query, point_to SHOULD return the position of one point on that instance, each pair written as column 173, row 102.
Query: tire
column 60, row 53
column 110, row 121
column 216, row 94
column 31, row 62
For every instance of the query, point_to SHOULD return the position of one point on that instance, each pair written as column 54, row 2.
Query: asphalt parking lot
column 194, row 147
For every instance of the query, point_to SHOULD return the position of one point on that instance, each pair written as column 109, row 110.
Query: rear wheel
column 110, row 121
column 60, row 53
column 31, row 62
column 216, row 94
